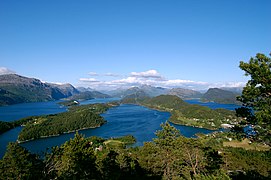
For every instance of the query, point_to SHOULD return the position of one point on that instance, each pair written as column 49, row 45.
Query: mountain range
column 19, row 89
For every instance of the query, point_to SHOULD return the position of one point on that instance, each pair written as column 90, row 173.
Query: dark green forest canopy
column 78, row 117
column 169, row 156
column 256, row 96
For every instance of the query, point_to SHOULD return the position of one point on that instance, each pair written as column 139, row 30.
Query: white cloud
column 228, row 84
column 4, row 70
column 153, row 78
column 147, row 74
column 93, row 74
column 88, row 80
column 111, row 74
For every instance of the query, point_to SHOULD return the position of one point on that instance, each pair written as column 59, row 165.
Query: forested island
column 184, row 113
column 78, row 117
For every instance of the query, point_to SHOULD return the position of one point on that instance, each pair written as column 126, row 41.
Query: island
column 183, row 113
column 77, row 118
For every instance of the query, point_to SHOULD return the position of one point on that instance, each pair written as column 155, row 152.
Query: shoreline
column 56, row 135
column 162, row 110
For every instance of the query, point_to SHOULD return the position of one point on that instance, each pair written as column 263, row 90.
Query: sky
column 106, row 44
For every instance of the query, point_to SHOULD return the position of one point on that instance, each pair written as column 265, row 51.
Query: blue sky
column 112, row 43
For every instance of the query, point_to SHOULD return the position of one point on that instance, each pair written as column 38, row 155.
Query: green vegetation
column 187, row 114
column 78, row 117
column 69, row 103
column 169, row 156
column 256, row 96
column 5, row 126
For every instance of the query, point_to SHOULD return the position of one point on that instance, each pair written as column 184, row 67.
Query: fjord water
column 213, row 105
column 138, row 121
column 18, row 111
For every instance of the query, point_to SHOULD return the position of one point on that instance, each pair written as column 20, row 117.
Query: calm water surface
column 213, row 105
column 138, row 121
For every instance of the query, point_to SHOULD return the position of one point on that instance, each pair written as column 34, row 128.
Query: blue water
column 213, row 105
column 18, row 111
column 138, row 121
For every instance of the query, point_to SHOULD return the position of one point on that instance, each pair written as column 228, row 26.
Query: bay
column 139, row 121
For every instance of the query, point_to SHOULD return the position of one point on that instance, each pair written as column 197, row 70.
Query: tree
column 166, row 139
column 18, row 163
column 256, row 95
column 75, row 159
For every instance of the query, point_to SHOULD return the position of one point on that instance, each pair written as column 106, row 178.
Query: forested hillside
column 79, row 117
column 186, row 114
column 169, row 156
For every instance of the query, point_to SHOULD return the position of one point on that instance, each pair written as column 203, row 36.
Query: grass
column 113, row 143
column 245, row 144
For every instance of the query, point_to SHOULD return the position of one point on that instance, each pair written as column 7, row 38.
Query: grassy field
column 246, row 145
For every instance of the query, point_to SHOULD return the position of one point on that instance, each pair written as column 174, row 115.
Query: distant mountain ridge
column 87, row 95
column 16, row 89
column 185, row 93
column 19, row 89
column 220, row 96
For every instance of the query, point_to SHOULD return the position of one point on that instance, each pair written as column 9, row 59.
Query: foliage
column 256, row 95
column 18, row 163
column 129, row 139
column 75, row 159
column 79, row 117
column 169, row 156
column 247, row 163
column 189, row 114
column 5, row 126
column 69, row 103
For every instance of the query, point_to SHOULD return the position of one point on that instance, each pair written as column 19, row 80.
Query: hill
column 78, row 117
column 19, row 89
column 187, row 114
column 220, row 96
column 185, row 93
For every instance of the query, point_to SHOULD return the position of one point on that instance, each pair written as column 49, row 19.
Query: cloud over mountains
column 150, row 77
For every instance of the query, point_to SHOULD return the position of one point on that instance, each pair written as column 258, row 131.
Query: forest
column 168, row 156
column 78, row 117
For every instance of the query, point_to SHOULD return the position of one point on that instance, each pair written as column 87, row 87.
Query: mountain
column 185, row 93
column 236, row 90
column 18, row 89
column 66, row 89
column 150, row 91
column 86, row 95
column 153, row 91
column 83, row 89
column 123, row 92
column 135, row 98
column 220, row 96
